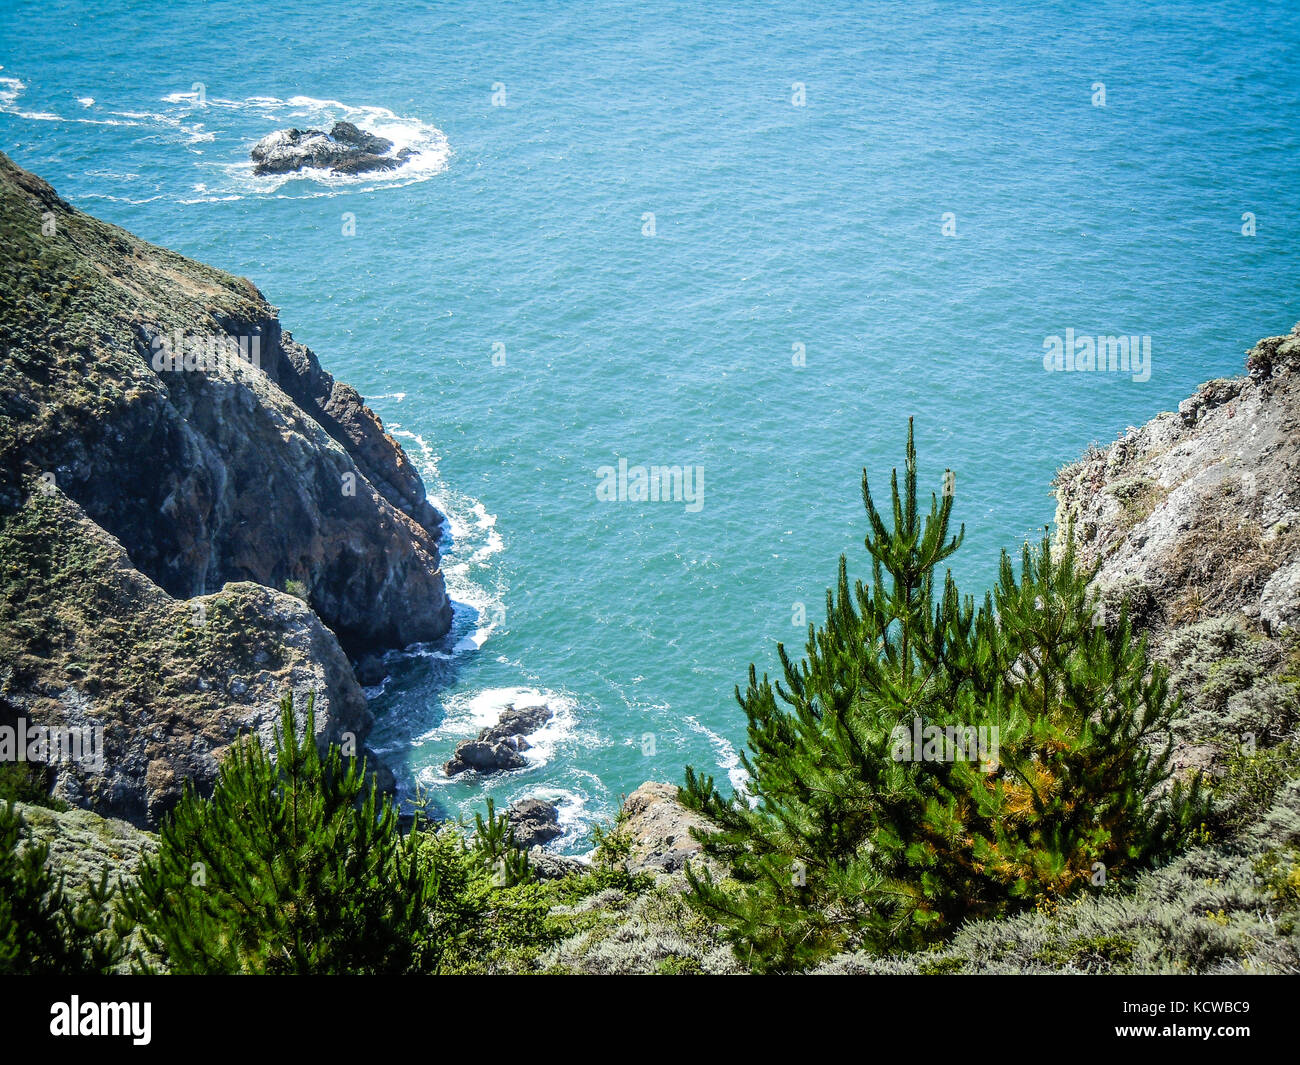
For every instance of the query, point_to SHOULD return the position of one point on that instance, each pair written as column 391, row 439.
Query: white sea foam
column 431, row 151
column 466, row 713
column 469, row 543
column 232, row 126
column 572, row 805
column 12, row 88
column 728, row 758
column 119, row 199
column 191, row 132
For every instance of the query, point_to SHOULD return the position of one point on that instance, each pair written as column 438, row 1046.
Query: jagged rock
column 517, row 721
column 498, row 747
column 160, row 484
column 659, row 827
column 1197, row 514
column 345, row 149
column 268, row 473
column 95, row 644
column 550, row 866
column 1194, row 522
column 84, row 845
column 363, row 140
column 534, row 822
column 484, row 757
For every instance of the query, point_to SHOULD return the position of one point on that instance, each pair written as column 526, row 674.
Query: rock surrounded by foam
column 500, row 746
column 345, row 149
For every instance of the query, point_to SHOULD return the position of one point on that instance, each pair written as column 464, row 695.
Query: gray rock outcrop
column 345, row 149
column 1197, row 513
column 535, row 822
column 1194, row 523
column 499, row 747
column 660, row 829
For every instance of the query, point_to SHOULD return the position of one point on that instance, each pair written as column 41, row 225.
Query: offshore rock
column 345, row 149
column 498, row 747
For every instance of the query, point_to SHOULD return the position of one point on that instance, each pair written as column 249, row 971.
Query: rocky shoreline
column 195, row 518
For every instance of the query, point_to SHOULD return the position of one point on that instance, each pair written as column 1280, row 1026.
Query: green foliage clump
column 852, row 842
column 1250, row 785
column 494, row 846
column 28, row 782
column 43, row 930
column 611, row 859
column 296, row 865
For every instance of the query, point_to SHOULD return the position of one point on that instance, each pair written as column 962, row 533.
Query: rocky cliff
column 1194, row 523
column 1197, row 513
column 171, row 462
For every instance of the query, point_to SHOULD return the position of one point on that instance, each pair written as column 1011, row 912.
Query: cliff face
column 1194, row 520
column 1197, row 514
column 153, row 513
column 229, row 472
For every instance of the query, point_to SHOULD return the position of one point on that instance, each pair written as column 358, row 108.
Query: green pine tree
column 43, row 929
column 846, row 839
column 494, row 846
column 295, row 865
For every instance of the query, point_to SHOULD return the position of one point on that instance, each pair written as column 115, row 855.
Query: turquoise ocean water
column 801, row 167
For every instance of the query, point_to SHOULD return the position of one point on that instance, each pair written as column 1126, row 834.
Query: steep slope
column 230, row 472
column 1194, row 522
column 153, row 513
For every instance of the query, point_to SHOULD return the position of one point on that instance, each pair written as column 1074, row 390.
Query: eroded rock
column 535, row 822
column 345, row 149
column 659, row 827
column 498, row 747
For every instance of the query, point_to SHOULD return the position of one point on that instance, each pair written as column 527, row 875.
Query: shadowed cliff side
column 155, row 511
column 255, row 468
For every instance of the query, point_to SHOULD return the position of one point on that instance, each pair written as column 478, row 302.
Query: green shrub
column 43, row 931
column 850, row 843
column 296, row 866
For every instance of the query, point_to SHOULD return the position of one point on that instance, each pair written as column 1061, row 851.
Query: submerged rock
column 345, row 149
